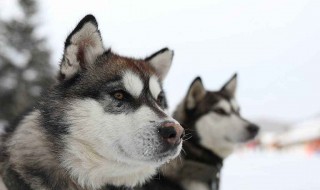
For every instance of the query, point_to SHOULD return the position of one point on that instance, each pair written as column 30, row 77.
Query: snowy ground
column 271, row 171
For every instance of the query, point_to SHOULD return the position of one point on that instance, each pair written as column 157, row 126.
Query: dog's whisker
column 187, row 136
column 186, row 139
column 183, row 151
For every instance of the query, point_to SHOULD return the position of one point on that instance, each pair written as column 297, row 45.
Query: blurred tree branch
column 24, row 63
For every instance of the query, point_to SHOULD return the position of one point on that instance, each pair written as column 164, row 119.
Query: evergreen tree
column 24, row 63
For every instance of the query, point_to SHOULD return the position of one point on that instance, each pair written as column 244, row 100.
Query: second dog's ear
column 161, row 62
column 231, row 86
column 82, row 47
column 195, row 93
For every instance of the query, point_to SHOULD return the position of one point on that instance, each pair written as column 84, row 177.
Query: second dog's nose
column 171, row 132
column 253, row 129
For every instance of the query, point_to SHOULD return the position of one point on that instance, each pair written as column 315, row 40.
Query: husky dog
column 103, row 123
column 213, row 121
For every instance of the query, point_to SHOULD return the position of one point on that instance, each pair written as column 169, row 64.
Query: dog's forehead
column 228, row 102
column 217, row 99
column 135, row 74
column 115, row 64
column 224, row 104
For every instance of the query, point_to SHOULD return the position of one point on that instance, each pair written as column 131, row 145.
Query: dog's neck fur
column 41, row 166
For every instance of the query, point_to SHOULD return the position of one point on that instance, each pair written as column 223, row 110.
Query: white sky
column 272, row 44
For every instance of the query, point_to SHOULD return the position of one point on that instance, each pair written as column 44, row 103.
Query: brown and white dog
column 104, row 122
column 214, row 127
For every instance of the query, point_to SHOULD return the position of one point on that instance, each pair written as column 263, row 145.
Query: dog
column 104, row 123
column 214, row 127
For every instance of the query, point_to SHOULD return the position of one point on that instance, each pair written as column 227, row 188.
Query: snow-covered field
column 271, row 171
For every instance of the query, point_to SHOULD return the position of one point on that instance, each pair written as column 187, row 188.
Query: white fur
column 87, row 38
column 224, row 105
column 234, row 105
column 132, row 83
column 221, row 133
column 2, row 185
column 154, row 86
column 109, row 148
column 162, row 63
column 71, row 64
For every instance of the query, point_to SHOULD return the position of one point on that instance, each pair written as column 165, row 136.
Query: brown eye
column 121, row 95
column 118, row 95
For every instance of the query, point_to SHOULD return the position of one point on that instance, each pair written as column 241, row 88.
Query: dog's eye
column 120, row 95
column 160, row 99
column 220, row 111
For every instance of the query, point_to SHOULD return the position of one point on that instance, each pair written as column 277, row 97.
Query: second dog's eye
column 220, row 111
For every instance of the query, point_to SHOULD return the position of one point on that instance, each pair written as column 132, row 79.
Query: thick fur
column 215, row 127
column 99, row 125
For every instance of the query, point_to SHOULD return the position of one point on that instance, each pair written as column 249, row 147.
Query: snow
column 271, row 171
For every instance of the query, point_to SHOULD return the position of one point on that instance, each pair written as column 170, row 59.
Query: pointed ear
column 82, row 47
column 195, row 93
column 231, row 86
column 161, row 62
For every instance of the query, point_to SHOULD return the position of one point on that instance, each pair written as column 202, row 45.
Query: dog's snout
column 253, row 129
column 171, row 132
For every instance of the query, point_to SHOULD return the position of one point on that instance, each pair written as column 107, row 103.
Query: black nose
column 253, row 129
column 171, row 132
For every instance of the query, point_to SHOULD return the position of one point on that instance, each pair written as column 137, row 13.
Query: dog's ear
column 161, row 62
column 231, row 86
column 82, row 47
column 195, row 93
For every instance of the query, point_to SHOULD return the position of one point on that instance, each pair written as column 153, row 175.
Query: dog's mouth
column 245, row 139
column 167, row 155
column 157, row 157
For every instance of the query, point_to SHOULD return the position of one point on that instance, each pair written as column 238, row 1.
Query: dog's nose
column 253, row 129
column 171, row 132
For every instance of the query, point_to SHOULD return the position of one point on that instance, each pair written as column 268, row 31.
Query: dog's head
column 115, row 107
column 213, row 117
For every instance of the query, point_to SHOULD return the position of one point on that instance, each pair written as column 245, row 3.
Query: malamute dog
column 215, row 127
column 103, row 123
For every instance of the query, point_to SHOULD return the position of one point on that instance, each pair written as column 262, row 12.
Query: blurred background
column 273, row 45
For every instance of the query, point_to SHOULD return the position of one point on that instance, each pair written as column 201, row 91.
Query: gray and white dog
column 103, row 123
column 215, row 127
